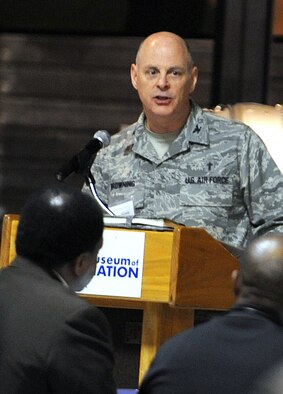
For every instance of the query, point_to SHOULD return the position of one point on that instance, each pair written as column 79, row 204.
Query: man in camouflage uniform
column 185, row 164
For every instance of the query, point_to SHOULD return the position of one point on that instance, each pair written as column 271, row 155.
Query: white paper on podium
column 120, row 265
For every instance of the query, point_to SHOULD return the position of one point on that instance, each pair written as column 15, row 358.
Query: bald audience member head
column 270, row 382
column 61, row 228
column 260, row 280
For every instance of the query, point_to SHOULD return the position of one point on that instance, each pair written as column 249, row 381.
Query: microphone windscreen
column 103, row 136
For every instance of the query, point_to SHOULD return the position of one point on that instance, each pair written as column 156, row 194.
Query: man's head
column 61, row 228
column 260, row 280
column 164, row 76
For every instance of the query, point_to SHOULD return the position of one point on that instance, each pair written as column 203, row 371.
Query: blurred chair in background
column 265, row 120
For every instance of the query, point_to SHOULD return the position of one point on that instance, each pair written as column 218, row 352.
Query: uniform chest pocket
column 121, row 192
column 209, row 195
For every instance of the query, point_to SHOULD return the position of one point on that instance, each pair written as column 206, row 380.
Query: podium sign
column 119, row 268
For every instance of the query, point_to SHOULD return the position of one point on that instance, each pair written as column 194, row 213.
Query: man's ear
column 81, row 264
column 134, row 75
column 194, row 79
column 236, row 282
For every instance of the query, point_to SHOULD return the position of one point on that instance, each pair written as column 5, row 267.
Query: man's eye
column 152, row 71
column 176, row 73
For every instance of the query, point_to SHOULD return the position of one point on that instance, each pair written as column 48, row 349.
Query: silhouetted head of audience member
column 260, row 279
column 61, row 228
column 270, row 382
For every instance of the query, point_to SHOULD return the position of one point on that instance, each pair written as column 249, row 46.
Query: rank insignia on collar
column 197, row 129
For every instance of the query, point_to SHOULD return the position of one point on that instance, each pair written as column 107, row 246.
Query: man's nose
column 163, row 82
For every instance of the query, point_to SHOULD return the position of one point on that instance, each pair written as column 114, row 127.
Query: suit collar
column 259, row 310
column 33, row 268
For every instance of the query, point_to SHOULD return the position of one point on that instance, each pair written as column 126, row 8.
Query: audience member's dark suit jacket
column 224, row 355
column 51, row 340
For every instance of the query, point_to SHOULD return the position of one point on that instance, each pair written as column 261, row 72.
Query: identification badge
column 125, row 208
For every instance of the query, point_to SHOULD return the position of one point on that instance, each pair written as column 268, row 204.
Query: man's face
column 163, row 79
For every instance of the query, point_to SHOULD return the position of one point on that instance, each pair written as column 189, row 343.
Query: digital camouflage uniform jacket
column 217, row 174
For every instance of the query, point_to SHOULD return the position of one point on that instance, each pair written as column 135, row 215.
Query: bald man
column 229, row 353
column 181, row 163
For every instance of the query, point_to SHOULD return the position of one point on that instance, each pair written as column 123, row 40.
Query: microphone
column 82, row 160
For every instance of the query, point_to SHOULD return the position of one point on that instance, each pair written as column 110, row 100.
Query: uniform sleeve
column 262, row 185
column 81, row 360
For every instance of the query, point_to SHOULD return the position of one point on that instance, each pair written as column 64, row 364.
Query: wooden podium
column 184, row 269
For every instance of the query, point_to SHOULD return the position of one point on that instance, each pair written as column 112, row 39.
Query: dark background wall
column 191, row 18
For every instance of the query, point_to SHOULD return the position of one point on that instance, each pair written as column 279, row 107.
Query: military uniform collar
column 195, row 131
column 141, row 141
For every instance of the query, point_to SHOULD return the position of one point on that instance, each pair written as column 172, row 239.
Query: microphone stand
column 91, row 184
